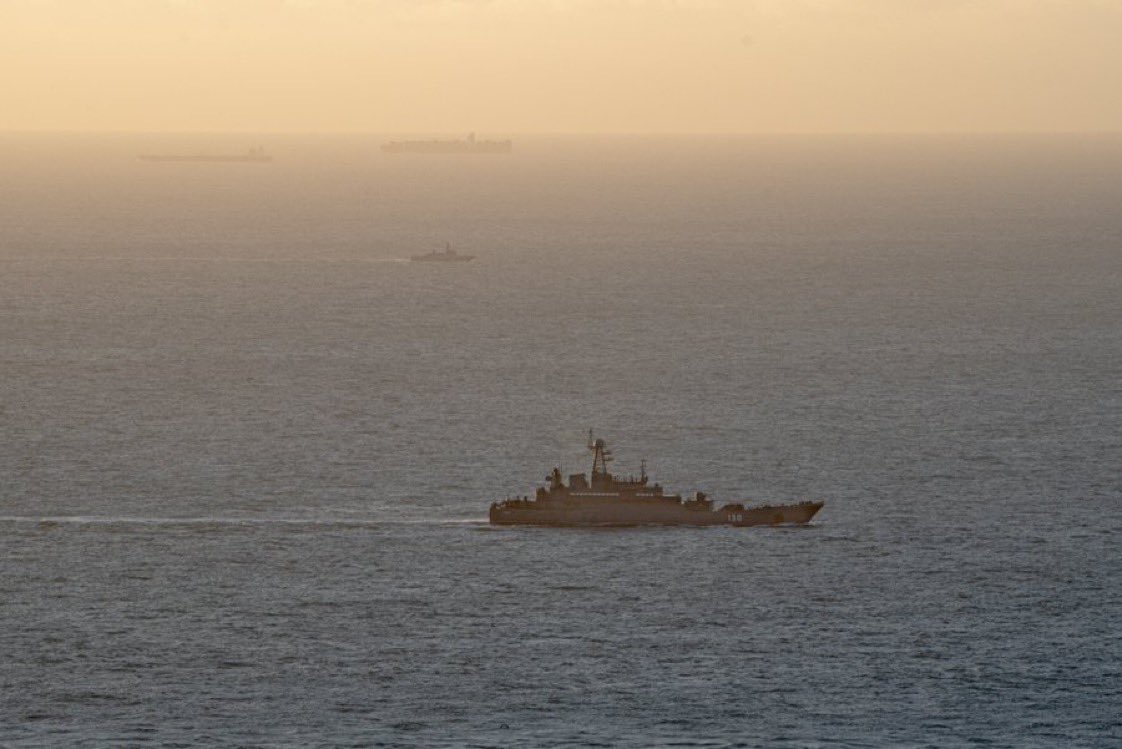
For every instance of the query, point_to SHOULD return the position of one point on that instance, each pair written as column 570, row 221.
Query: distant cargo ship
column 468, row 145
column 253, row 156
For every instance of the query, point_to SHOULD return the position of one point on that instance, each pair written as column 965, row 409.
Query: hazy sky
column 509, row 66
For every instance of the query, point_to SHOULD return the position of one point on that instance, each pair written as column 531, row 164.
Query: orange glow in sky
column 507, row 66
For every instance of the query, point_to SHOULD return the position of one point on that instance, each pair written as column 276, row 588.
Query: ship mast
column 601, row 456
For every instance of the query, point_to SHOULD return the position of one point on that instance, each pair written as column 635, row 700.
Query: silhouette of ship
column 252, row 156
column 468, row 145
column 448, row 255
column 610, row 501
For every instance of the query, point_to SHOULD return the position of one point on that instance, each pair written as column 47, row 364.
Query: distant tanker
column 607, row 500
column 468, row 145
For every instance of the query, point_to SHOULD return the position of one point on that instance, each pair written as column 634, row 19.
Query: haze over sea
column 248, row 451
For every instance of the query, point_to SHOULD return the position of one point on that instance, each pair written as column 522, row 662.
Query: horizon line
column 565, row 133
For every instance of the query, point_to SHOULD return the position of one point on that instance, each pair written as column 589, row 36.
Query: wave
column 232, row 521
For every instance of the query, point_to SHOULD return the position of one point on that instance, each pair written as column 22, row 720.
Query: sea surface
column 247, row 449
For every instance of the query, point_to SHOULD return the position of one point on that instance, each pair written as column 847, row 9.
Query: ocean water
column 247, row 450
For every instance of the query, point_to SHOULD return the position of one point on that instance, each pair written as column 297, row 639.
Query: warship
column 447, row 256
column 252, row 156
column 468, row 145
column 605, row 500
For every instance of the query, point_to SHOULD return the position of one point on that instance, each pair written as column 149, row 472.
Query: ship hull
column 621, row 514
column 205, row 158
column 429, row 259
column 448, row 147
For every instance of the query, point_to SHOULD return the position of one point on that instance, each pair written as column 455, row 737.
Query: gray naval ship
column 447, row 256
column 607, row 500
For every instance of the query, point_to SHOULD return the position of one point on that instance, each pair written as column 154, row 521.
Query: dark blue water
column 247, row 451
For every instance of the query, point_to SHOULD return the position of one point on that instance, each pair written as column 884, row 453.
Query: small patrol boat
column 605, row 500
